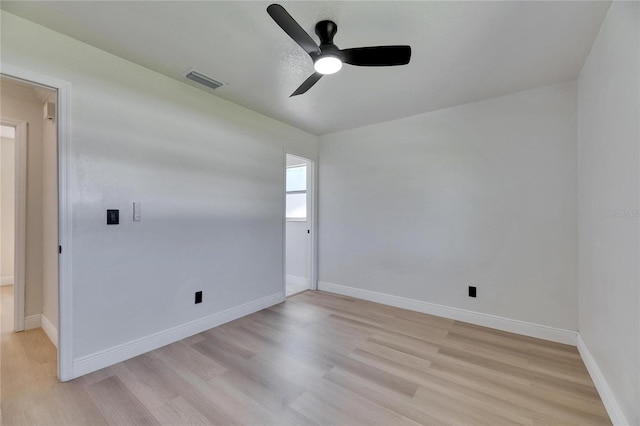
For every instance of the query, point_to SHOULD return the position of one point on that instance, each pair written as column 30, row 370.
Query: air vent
column 203, row 79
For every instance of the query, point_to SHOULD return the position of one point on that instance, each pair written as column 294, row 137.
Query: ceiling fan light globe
column 327, row 64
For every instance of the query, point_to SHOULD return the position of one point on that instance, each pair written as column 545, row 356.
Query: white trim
column 8, row 280
column 313, row 187
column 293, row 219
column 32, row 321
column 312, row 219
column 49, row 330
column 295, row 280
column 20, row 222
column 608, row 398
column 107, row 357
column 284, row 226
column 65, row 286
column 500, row 323
column 20, row 230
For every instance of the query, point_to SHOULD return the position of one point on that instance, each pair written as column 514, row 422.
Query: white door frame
column 313, row 209
column 65, row 288
column 20, row 213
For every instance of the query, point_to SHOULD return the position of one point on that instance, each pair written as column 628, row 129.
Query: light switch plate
column 137, row 211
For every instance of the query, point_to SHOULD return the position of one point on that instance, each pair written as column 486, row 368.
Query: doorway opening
column 299, row 210
column 29, row 208
column 12, row 167
column 63, row 209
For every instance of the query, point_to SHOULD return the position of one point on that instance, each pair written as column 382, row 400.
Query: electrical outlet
column 198, row 297
column 472, row 291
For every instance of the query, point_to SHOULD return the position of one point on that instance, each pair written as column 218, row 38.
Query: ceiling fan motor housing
column 326, row 30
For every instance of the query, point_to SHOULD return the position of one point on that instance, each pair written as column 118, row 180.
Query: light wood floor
column 315, row 359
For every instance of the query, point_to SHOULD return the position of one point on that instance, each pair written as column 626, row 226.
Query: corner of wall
column 50, row 330
column 604, row 390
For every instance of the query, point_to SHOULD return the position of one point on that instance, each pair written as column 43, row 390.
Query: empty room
column 320, row 212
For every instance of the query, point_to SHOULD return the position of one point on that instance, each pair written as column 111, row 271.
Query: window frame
column 301, row 191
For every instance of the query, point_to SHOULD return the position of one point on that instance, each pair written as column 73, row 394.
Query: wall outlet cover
column 113, row 217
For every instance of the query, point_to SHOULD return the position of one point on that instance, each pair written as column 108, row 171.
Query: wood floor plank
column 407, row 344
column 179, row 412
column 226, row 355
column 587, row 405
column 479, row 407
column 151, row 381
column 408, row 360
column 367, row 412
column 119, row 405
column 323, row 413
column 448, row 409
column 372, row 373
column 389, row 366
column 271, row 393
column 291, row 368
column 66, row 405
column 480, row 394
column 241, row 406
column 381, row 396
column 185, row 360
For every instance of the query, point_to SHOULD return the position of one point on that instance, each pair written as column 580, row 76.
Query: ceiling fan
column 328, row 58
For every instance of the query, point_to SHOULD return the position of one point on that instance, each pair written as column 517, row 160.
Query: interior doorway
column 29, row 206
column 12, row 144
column 299, row 210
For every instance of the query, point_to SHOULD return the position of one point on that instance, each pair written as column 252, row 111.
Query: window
column 296, row 193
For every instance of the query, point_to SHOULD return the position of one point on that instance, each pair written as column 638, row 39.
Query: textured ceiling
column 462, row 51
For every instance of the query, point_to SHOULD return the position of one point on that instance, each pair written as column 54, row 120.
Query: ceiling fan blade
column 292, row 28
column 378, row 56
column 308, row 83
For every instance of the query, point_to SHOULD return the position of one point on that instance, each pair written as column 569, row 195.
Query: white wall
column 482, row 194
column 7, row 209
column 50, row 219
column 209, row 175
column 609, row 139
column 31, row 112
column 298, row 250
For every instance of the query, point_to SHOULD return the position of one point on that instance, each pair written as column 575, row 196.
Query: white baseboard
column 33, row 321
column 608, row 399
column 49, row 330
column 492, row 321
column 298, row 281
column 107, row 357
column 8, row 280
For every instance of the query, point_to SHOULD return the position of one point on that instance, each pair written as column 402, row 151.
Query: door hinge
column 59, row 249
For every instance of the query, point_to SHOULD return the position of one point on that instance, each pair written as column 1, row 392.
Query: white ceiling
column 462, row 51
